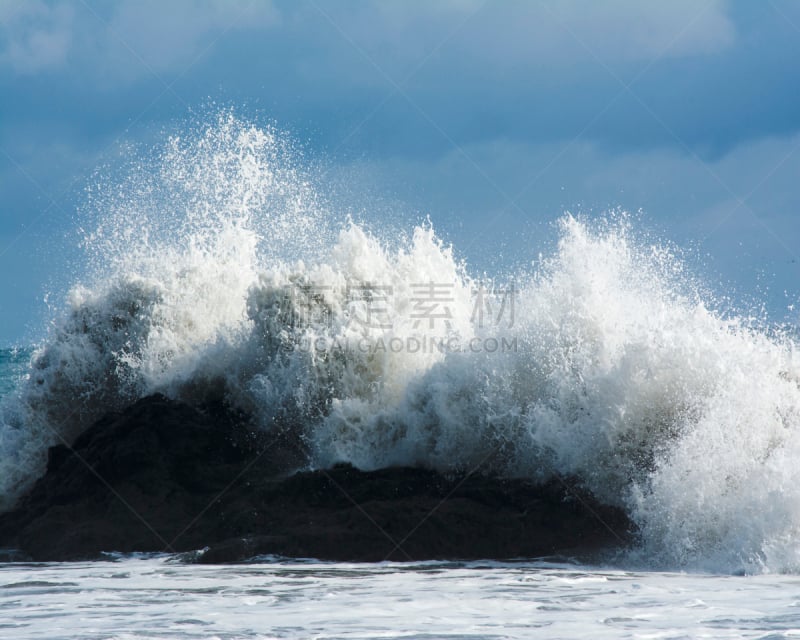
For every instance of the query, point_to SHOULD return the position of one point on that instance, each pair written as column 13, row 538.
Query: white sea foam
column 217, row 272
column 120, row 598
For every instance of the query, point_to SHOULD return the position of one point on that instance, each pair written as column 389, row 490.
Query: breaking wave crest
column 216, row 272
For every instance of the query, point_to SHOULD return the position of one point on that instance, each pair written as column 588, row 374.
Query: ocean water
column 216, row 267
column 139, row 597
column 13, row 366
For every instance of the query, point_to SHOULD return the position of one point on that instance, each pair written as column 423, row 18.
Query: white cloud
column 631, row 29
column 35, row 35
column 484, row 41
column 127, row 40
column 554, row 33
column 169, row 34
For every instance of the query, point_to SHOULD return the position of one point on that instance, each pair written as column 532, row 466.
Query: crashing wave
column 217, row 273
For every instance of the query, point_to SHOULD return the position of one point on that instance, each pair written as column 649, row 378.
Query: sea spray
column 218, row 272
column 177, row 242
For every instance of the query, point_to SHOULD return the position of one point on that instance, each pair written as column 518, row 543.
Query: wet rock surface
column 164, row 476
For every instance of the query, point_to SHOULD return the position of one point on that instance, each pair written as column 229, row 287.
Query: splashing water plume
column 217, row 273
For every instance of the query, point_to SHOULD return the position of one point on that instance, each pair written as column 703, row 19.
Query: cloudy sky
column 493, row 117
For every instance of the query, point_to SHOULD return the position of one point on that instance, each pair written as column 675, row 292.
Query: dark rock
column 164, row 476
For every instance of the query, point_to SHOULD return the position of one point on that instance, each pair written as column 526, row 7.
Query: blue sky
column 492, row 117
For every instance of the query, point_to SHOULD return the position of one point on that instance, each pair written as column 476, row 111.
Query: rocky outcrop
column 163, row 476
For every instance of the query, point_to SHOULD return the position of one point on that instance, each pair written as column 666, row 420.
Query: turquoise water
column 13, row 363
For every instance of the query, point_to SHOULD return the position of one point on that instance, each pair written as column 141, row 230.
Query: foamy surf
column 216, row 271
